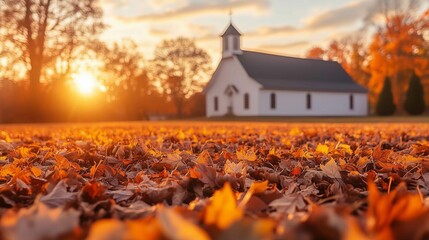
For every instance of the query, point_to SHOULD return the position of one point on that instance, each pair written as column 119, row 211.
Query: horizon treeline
column 45, row 44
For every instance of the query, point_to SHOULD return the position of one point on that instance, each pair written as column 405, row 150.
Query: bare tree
column 126, row 77
column 181, row 69
column 40, row 31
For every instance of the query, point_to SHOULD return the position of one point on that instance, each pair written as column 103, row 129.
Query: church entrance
column 230, row 91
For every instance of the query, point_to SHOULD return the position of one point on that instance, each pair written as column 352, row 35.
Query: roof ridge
column 285, row 56
column 284, row 72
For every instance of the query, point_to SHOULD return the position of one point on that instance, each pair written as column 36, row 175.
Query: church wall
column 294, row 103
column 229, row 72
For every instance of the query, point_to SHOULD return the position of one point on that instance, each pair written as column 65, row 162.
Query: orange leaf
column 175, row 227
column 222, row 210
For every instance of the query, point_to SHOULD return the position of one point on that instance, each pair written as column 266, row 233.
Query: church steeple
column 231, row 41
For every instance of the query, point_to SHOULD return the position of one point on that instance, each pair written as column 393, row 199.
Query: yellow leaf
column 346, row 148
column 9, row 170
column 321, row 148
column 175, row 227
column 259, row 187
column 181, row 135
column 294, row 131
column 36, row 171
column 204, row 157
column 222, row 210
column 256, row 187
column 248, row 155
column 408, row 160
column 272, row 151
column 5, row 136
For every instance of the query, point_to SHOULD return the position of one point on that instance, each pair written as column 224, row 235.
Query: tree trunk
column 34, row 113
column 35, row 46
column 179, row 107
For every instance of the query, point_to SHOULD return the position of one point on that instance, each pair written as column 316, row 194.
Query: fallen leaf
column 113, row 229
column 222, row 210
column 235, row 169
column 246, row 155
column 39, row 222
column 176, row 227
column 59, row 196
column 331, row 169
column 321, row 148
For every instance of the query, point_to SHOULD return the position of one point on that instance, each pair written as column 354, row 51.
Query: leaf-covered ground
column 214, row 181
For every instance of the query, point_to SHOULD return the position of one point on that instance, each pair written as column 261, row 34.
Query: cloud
column 199, row 29
column 166, row 4
column 341, row 16
column 298, row 44
column 159, row 32
column 264, row 31
column 200, row 9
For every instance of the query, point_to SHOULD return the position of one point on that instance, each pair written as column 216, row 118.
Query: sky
column 286, row 27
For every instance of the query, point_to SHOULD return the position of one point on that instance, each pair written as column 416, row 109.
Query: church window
column 351, row 102
column 246, row 101
column 225, row 43
column 273, row 101
column 216, row 103
column 308, row 101
column 236, row 43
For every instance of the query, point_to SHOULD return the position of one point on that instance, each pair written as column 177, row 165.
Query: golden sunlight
column 86, row 83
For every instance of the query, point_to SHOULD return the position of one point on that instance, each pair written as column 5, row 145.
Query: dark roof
column 231, row 30
column 290, row 73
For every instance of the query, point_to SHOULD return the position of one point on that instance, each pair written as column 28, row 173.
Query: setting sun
column 86, row 83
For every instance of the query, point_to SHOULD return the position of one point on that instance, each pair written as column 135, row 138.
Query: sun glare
column 86, row 83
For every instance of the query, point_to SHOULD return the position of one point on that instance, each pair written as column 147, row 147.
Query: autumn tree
column 414, row 101
column 315, row 53
column 350, row 52
column 399, row 46
column 42, row 32
column 385, row 105
column 181, row 68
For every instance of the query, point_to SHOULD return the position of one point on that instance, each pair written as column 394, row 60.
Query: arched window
column 216, row 103
column 308, row 101
column 273, row 101
column 246, row 101
column 225, row 43
column 351, row 102
column 236, row 41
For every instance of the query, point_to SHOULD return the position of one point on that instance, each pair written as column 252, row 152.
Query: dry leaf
column 246, row 155
column 113, row 229
column 223, row 210
column 59, row 196
column 321, row 148
column 177, row 228
column 39, row 222
column 331, row 169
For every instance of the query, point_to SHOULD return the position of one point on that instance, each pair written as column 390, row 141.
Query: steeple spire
column 231, row 39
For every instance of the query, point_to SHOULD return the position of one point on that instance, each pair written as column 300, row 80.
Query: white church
column 248, row 83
